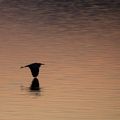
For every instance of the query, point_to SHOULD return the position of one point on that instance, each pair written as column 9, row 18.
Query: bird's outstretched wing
column 34, row 67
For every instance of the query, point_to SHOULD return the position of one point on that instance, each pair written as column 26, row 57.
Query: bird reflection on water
column 34, row 67
column 35, row 84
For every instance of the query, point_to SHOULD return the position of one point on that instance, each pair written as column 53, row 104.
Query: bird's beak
column 42, row 64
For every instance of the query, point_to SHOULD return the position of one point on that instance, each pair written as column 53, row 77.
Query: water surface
column 79, row 43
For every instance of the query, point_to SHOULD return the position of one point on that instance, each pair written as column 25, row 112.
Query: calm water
column 79, row 43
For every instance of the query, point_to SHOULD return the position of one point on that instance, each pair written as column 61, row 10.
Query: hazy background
column 79, row 43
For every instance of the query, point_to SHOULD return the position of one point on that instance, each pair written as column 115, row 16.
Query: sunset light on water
column 79, row 43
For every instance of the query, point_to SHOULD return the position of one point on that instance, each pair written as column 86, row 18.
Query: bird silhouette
column 34, row 67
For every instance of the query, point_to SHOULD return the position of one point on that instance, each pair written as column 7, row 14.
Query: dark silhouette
column 34, row 67
column 35, row 84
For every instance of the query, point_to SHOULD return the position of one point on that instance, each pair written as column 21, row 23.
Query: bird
column 34, row 67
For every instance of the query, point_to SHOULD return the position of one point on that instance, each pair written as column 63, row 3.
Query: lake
column 79, row 43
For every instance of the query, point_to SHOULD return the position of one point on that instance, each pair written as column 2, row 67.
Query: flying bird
column 34, row 67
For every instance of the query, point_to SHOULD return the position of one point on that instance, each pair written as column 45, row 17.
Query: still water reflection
column 79, row 43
